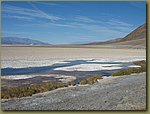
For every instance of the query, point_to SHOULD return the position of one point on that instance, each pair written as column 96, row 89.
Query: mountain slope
column 105, row 42
column 139, row 33
column 21, row 41
column 136, row 38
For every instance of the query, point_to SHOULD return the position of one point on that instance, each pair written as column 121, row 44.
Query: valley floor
column 117, row 93
column 22, row 57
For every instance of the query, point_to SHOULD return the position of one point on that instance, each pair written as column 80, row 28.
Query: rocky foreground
column 116, row 93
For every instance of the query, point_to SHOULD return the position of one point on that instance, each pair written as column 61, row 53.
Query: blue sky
column 71, row 22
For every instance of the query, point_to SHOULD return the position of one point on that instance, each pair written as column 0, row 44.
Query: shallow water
column 36, row 74
column 51, row 69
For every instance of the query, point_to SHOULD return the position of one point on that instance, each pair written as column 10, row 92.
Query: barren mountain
column 139, row 33
column 21, row 41
column 137, row 38
column 105, row 42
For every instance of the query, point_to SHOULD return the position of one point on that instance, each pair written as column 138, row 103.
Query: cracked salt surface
column 60, row 77
column 91, row 67
column 71, row 65
column 29, row 63
column 25, row 63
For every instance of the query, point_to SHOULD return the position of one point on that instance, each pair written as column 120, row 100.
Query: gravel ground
column 116, row 93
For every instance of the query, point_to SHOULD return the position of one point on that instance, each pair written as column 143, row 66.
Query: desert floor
column 38, row 56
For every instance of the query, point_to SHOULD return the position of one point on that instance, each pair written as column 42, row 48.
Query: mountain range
column 135, row 39
column 21, row 41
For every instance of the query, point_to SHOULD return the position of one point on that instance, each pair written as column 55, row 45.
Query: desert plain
column 27, row 56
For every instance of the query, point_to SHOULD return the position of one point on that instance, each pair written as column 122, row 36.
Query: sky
column 71, row 22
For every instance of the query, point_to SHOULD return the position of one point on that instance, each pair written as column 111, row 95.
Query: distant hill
column 105, row 42
column 21, row 41
column 136, row 38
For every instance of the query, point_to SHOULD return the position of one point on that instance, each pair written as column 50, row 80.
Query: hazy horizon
column 71, row 22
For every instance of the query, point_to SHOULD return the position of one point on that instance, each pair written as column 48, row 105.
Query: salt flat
column 21, row 57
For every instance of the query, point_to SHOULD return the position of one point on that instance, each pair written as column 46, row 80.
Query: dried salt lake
column 27, row 65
